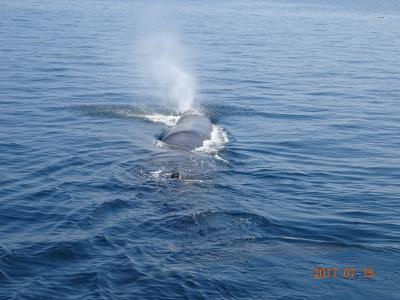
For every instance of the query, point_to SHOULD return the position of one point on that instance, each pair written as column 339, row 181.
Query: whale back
column 189, row 132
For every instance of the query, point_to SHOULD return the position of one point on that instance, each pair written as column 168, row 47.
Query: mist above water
column 163, row 61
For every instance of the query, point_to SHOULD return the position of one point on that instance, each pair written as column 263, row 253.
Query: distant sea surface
column 303, row 173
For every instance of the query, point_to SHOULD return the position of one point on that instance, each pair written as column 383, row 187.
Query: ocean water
column 302, row 171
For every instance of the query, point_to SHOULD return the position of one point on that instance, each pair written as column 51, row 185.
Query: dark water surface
column 308, row 93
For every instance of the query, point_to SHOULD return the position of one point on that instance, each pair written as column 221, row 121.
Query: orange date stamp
column 348, row 273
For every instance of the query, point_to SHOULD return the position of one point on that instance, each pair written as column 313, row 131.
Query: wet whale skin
column 189, row 132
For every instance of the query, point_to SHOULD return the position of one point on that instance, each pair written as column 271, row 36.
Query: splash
column 169, row 120
column 218, row 140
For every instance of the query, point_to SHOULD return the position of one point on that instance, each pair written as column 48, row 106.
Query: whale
column 189, row 132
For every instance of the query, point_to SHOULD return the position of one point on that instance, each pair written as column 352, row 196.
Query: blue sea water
column 306, row 92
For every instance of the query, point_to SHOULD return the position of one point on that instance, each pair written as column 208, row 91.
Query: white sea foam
column 166, row 119
column 156, row 173
column 218, row 140
column 169, row 120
